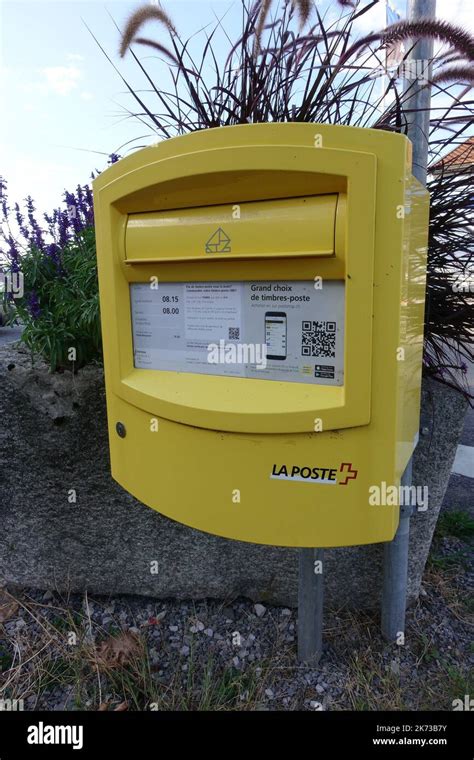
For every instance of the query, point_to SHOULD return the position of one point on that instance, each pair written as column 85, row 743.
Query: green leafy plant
column 61, row 319
column 56, row 259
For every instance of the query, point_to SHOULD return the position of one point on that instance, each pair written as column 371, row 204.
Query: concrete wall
column 53, row 439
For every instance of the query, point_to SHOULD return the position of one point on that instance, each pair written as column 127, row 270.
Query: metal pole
column 417, row 102
column 417, row 96
column 310, row 605
column 395, row 573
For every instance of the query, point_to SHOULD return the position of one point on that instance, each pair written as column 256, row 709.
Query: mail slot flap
column 300, row 227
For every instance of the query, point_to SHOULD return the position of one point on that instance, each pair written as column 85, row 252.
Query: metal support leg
column 417, row 109
column 395, row 573
column 310, row 605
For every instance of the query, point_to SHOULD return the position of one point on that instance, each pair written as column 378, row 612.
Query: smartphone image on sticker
column 275, row 334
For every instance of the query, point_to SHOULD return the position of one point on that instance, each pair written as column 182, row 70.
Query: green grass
column 456, row 523
column 459, row 559
column 67, row 623
column 458, row 683
column 371, row 686
column 213, row 688
column 5, row 661
column 453, row 524
column 57, row 671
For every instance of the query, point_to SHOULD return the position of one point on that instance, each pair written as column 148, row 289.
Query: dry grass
column 102, row 671
column 60, row 648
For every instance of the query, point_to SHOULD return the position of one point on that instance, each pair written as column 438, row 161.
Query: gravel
column 256, row 643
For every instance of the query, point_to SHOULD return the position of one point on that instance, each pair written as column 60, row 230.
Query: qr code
column 234, row 333
column 318, row 339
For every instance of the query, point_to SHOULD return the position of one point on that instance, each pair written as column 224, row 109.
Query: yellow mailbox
column 262, row 299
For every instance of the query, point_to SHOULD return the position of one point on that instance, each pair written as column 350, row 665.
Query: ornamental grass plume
column 136, row 21
column 402, row 31
column 303, row 7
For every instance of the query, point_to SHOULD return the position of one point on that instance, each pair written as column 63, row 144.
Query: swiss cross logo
column 318, row 475
column 351, row 474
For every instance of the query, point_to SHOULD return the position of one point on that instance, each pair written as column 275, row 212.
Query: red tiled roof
column 462, row 155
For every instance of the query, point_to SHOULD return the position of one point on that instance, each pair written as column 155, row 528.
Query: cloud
column 46, row 178
column 61, row 80
column 75, row 57
column 86, row 95
column 456, row 11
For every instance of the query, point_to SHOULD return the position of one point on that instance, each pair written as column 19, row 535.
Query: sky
column 64, row 106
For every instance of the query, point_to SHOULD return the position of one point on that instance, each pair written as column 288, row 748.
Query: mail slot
column 262, row 303
column 293, row 227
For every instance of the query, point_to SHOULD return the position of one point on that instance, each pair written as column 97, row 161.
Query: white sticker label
column 286, row 331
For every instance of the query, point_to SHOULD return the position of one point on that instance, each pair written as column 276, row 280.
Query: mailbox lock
column 121, row 430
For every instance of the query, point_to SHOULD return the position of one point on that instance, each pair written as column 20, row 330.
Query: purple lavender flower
column 84, row 205
column 53, row 251
column 36, row 234
column 49, row 219
column 113, row 158
column 30, row 208
column 19, row 217
column 63, row 225
column 4, row 196
column 13, row 254
column 89, row 199
column 33, row 304
column 37, row 237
